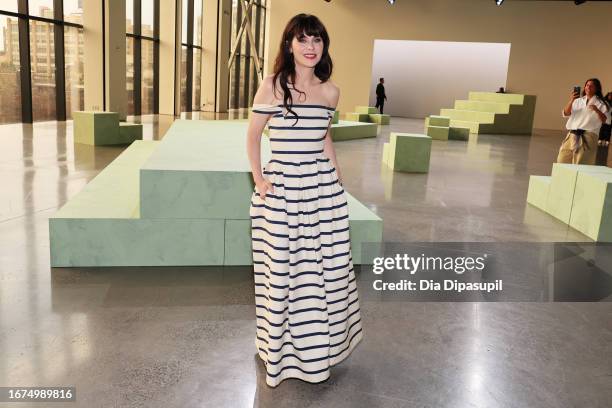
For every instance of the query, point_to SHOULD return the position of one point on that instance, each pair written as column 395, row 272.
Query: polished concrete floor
column 184, row 337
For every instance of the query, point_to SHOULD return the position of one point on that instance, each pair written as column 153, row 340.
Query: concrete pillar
column 93, row 54
column 114, row 50
column 209, row 55
column 169, row 57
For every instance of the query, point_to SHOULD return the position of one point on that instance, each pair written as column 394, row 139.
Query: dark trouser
column 604, row 133
column 380, row 102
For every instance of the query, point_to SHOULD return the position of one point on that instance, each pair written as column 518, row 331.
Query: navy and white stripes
column 307, row 306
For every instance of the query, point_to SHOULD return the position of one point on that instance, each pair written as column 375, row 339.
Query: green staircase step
column 434, row 120
column 366, row 109
column 468, row 115
column 96, row 128
column 484, row 106
column 407, row 152
column 130, row 131
column 474, row 127
column 516, row 99
column 592, row 206
column 537, row 193
column 347, row 130
column 336, row 117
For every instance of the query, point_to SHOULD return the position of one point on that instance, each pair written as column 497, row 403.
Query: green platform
column 380, row 119
column 366, row 109
column 101, row 225
column 592, row 206
column 537, row 193
column 346, row 130
column 98, row 128
column 458, row 133
column 438, row 132
column 489, row 112
column 357, row 117
column 407, row 152
column 128, row 215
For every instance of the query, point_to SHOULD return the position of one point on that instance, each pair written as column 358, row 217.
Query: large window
column 191, row 55
column 244, row 78
column 142, row 56
column 41, row 59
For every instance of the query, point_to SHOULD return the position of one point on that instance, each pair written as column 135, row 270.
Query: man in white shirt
column 586, row 115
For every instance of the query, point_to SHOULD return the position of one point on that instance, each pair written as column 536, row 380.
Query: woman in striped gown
column 307, row 307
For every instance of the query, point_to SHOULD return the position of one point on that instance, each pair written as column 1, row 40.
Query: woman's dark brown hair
column 284, row 65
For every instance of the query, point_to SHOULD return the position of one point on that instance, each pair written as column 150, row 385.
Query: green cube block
column 562, row 187
column 238, row 244
column 379, row 118
column 592, row 206
column 357, row 117
column 365, row 227
column 96, row 128
column 336, row 117
column 537, row 194
column 409, row 152
column 458, row 133
column 438, row 132
column 366, row 109
column 129, row 132
column 435, row 120
column 345, row 130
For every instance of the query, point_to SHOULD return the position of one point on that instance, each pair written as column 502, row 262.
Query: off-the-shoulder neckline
column 297, row 104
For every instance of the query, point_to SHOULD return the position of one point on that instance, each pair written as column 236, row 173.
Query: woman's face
column 307, row 50
column 589, row 89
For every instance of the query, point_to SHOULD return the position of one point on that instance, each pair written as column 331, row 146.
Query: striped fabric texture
column 307, row 306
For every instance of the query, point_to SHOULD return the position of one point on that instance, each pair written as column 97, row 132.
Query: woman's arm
column 328, row 147
column 264, row 95
column 567, row 110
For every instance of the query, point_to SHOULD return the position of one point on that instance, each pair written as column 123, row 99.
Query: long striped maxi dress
column 307, row 306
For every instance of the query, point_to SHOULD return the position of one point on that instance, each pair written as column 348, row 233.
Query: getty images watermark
column 412, row 265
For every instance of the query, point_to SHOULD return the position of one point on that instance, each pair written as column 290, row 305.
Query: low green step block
column 357, row 117
column 200, row 170
column 130, row 131
column 238, row 244
column 346, row 130
column 381, row 119
column 408, row 152
column 96, row 128
column 458, row 133
column 562, row 188
column 485, row 106
column 366, row 109
column 438, row 132
column 592, row 206
column 435, row 120
column 336, row 117
column 537, row 193
column 101, row 225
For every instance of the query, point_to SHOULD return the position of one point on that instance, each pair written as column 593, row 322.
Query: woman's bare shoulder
column 332, row 93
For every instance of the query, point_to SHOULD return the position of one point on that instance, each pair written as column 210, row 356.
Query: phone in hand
column 577, row 90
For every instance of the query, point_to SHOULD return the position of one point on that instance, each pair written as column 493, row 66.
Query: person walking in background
column 380, row 95
column 586, row 114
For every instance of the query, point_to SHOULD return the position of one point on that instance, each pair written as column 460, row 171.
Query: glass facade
column 191, row 55
column 244, row 80
column 142, row 56
column 52, row 53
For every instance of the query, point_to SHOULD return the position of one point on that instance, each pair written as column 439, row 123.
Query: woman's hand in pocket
column 264, row 187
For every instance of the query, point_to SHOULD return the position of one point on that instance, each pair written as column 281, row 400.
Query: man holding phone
column 585, row 115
